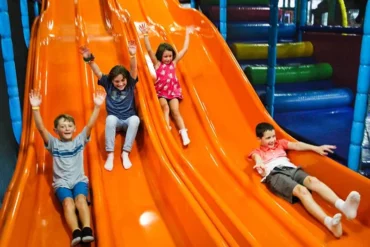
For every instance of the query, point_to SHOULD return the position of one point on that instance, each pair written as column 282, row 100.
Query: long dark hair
column 162, row 48
column 118, row 70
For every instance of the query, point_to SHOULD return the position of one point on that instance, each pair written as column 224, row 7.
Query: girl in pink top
column 167, row 85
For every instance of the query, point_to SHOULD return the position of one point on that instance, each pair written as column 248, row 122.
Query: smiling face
column 65, row 129
column 268, row 139
column 119, row 82
column 165, row 53
column 167, row 57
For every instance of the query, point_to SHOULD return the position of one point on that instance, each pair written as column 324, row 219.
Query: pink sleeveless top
column 167, row 85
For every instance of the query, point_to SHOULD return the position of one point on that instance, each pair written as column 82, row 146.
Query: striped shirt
column 68, row 168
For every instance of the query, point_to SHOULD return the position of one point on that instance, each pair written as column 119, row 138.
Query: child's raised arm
column 301, row 146
column 144, row 29
column 89, row 58
column 133, row 61
column 35, row 101
column 99, row 98
column 186, row 44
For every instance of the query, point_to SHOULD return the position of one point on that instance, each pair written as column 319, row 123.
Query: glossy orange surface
column 147, row 205
column 202, row 195
column 221, row 110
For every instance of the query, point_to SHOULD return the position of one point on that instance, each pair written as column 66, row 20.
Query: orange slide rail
column 139, row 207
column 221, row 110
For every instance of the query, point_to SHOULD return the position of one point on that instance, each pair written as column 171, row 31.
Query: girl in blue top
column 120, row 103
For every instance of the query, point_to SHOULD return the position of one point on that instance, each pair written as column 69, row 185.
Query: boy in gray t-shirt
column 69, row 181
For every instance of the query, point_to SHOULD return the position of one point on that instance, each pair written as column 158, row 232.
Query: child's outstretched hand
column 35, row 98
column 132, row 47
column 99, row 97
column 189, row 30
column 144, row 28
column 325, row 149
column 85, row 52
column 261, row 169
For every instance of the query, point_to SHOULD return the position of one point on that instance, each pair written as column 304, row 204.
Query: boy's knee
column 301, row 191
column 313, row 181
column 80, row 201
column 111, row 121
column 68, row 204
column 134, row 121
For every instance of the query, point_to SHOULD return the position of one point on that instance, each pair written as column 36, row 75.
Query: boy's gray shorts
column 282, row 180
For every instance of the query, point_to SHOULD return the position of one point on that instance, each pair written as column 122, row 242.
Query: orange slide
column 204, row 195
column 221, row 110
column 147, row 205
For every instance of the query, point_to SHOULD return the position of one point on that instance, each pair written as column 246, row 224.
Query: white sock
column 125, row 160
column 184, row 136
column 334, row 225
column 109, row 162
column 350, row 206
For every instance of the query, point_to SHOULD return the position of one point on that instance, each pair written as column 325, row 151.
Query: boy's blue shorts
column 80, row 188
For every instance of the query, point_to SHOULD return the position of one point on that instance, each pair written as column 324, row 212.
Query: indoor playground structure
column 249, row 61
column 304, row 99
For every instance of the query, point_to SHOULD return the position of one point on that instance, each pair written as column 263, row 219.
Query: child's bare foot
column 125, row 160
column 334, row 225
column 109, row 163
column 185, row 137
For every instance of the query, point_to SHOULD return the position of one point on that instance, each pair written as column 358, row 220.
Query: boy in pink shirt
column 292, row 184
